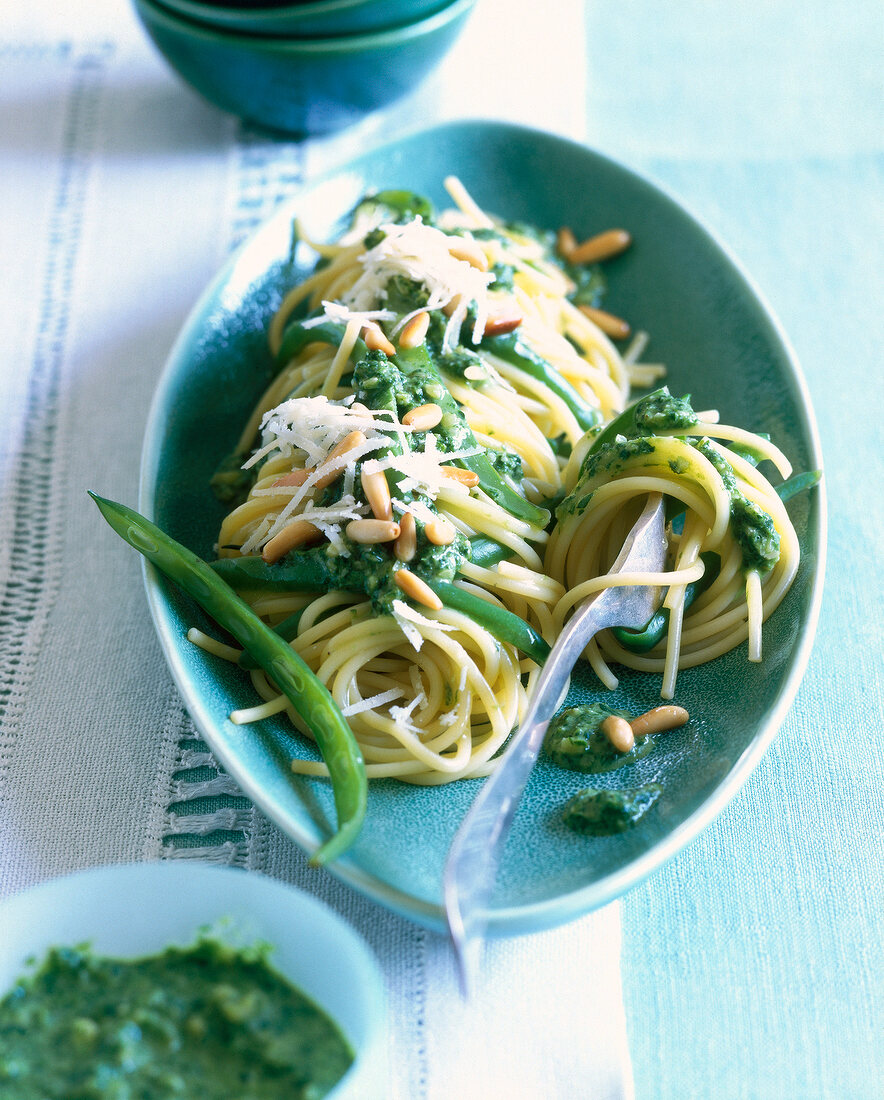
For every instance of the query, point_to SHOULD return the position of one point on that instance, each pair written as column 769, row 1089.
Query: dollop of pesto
column 574, row 740
column 604, row 460
column 606, row 813
column 613, row 454
column 404, row 295
column 662, row 412
column 206, row 1022
column 752, row 528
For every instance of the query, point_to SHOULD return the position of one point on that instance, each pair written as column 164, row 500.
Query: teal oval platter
column 720, row 343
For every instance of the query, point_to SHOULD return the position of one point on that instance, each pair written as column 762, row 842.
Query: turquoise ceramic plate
column 721, row 345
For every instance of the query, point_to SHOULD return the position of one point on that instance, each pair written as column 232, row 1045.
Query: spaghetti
column 444, row 466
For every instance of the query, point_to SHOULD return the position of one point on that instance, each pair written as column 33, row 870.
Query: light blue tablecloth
column 752, row 962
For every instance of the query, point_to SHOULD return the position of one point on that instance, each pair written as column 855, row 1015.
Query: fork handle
column 478, row 841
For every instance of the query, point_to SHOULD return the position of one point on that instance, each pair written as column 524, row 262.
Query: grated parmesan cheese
column 314, row 425
column 373, row 702
column 418, row 509
column 421, row 253
column 335, row 311
column 422, row 470
column 409, row 620
column 402, row 715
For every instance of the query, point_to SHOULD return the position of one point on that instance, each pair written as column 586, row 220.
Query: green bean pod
column 418, row 362
column 503, row 624
column 298, row 571
column 310, row 698
column 798, row 484
column 302, row 571
column 300, row 333
column 486, row 552
column 287, row 630
column 640, row 641
column 516, row 352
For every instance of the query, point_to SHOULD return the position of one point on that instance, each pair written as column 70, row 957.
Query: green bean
column 401, row 204
column 418, row 364
column 748, row 453
column 503, row 624
column 287, row 630
column 486, row 552
column 513, row 350
column 640, row 641
column 299, row 334
column 299, row 570
column 310, row 698
column 798, row 484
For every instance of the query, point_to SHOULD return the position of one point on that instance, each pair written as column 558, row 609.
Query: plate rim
column 534, row 916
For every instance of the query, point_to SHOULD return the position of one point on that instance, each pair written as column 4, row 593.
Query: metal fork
column 474, row 855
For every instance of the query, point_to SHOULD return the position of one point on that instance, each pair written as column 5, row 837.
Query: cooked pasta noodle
column 380, row 469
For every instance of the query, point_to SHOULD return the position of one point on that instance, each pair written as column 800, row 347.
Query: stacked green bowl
column 303, row 68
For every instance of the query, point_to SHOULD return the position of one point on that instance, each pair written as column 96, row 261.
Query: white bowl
column 142, row 908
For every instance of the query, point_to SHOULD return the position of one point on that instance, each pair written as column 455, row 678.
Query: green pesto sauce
column 752, row 528
column 371, row 568
column 230, row 483
column 661, row 412
column 606, row 813
column 574, row 740
column 404, row 295
column 207, row 1022
column 630, row 435
column 615, row 454
column 605, row 460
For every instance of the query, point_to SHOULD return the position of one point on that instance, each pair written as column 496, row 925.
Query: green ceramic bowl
column 301, row 86
column 707, row 322
column 320, row 19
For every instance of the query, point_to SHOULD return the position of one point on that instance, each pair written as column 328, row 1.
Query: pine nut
column 417, row 589
column 377, row 493
column 659, row 719
column 415, row 332
column 503, row 323
column 375, row 340
column 294, row 534
column 612, row 326
column 476, row 373
column 619, row 732
column 465, row 477
column 440, row 532
column 372, row 530
column 334, row 464
column 296, row 477
column 405, row 547
column 462, row 248
column 358, row 407
column 566, row 242
column 423, row 417
column 601, row 247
